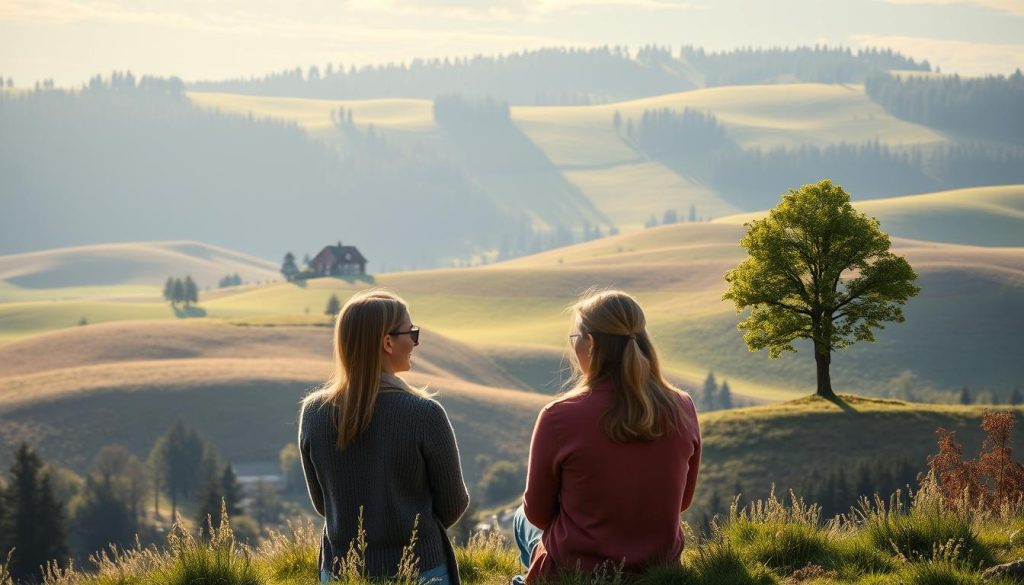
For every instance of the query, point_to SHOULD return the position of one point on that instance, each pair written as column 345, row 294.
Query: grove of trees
column 990, row 107
column 184, row 291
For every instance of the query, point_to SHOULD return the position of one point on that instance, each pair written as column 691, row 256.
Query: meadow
column 90, row 354
column 776, row 540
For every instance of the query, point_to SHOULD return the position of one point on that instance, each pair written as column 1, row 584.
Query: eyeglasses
column 573, row 336
column 413, row 332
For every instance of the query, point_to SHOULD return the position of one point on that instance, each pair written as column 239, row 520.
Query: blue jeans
column 527, row 538
column 435, row 576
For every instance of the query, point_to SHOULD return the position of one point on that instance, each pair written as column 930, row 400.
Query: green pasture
column 980, row 216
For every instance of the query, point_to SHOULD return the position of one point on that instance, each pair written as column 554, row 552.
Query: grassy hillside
column 676, row 271
column 139, row 263
column 581, row 143
column 70, row 392
column 240, row 387
column 784, row 443
column 981, row 216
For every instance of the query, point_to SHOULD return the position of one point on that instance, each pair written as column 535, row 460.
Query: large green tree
column 818, row 269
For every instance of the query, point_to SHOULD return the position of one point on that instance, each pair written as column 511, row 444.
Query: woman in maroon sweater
column 613, row 462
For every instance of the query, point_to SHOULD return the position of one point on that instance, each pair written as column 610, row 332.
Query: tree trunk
column 823, row 359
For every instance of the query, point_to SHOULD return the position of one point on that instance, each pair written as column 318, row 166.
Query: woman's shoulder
column 315, row 401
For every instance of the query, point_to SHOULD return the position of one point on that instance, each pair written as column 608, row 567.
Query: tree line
column 455, row 110
column 571, row 76
column 217, row 165
column 666, row 132
column 817, row 64
column 990, row 107
column 753, row 178
column 48, row 512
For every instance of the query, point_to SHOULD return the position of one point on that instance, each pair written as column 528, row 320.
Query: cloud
column 1014, row 7
column 223, row 15
column 963, row 57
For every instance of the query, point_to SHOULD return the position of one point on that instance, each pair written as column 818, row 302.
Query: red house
column 338, row 261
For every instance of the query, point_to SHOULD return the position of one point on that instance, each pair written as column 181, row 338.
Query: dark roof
column 348, row 254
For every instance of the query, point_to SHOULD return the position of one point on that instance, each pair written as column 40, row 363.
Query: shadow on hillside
column 189, row 312
column 842, row 404
column 354, row 278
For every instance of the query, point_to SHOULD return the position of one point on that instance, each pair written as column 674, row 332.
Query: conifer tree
column 232, row 491
column 191, row 291
column 103, row 516
column 178, row 294
column 288, row 268
column 181, row 458
column 965, row 396
column 333, row 306
column 725, row 396
column 35, row 524
column 169, row 289
column 709, row 393
column 210, row 493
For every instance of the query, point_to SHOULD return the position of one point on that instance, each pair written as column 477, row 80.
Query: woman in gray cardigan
column 376, row 448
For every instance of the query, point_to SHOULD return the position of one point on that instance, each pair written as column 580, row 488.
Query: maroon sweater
column 599, row 500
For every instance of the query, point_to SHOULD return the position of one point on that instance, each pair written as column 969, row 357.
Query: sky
column 71, row 40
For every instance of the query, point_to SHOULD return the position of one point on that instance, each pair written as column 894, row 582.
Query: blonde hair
column 359, row 331
column 645, row 404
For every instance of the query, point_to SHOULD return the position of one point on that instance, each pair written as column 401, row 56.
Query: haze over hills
column 514, row 204
column 487, row 179
column 131, row 264
column 676, row 271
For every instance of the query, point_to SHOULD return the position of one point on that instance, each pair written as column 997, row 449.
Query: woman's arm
column 444, row 471
column 316, row 492
column 694, row 465
column 540, row 502
column 691, row 478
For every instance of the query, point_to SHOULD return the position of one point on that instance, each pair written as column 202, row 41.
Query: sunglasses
column 413, row 332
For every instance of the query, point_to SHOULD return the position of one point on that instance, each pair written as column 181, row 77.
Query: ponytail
column 645, row 404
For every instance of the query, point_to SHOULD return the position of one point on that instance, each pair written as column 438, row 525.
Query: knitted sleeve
column 444, row 471
column 316, row 492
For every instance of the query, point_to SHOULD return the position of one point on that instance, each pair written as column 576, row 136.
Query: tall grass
column 773, row 541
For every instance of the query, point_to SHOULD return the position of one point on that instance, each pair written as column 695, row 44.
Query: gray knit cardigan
column 405, row 464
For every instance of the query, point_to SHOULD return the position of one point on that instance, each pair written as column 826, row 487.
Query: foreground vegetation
column 966, row 517
column 771, row 541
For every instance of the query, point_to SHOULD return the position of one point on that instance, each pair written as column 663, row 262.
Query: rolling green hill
column 959, row 331
column 600, row 161
column 981, row 216
column 114, row 265
column 71, row 392
column 240, row 387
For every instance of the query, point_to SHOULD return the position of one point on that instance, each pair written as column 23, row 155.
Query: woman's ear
column 590, row 347
column 386, row 344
